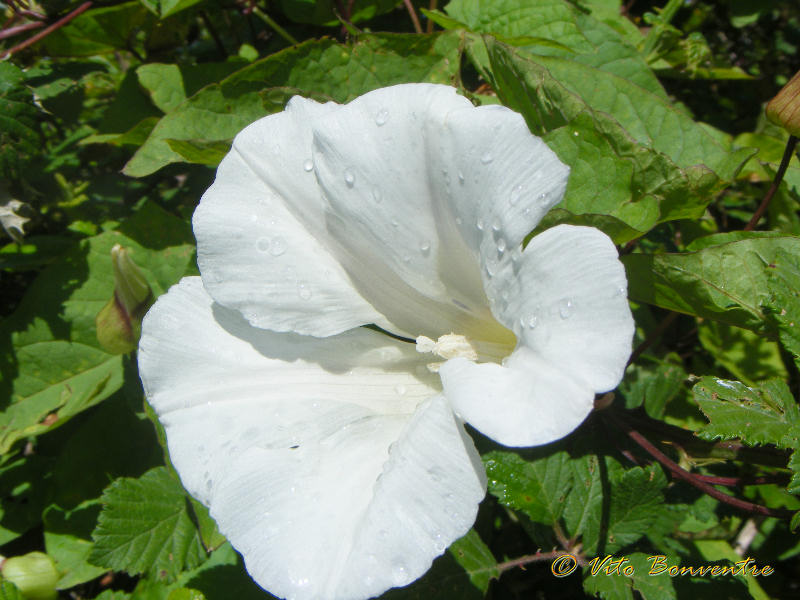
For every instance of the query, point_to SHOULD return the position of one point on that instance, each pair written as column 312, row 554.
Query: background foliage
column 111, row 124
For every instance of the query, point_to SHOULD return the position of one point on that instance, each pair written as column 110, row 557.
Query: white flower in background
column 333, row 456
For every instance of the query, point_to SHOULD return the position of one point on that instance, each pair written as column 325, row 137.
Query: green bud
column 34, row 574
column 119, row 322
column 784, row 108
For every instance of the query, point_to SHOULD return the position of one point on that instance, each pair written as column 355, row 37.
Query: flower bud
column 784, row 108
column 119, row 322
column 34, row 574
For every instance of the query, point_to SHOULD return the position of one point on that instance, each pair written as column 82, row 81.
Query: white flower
column 333, row 456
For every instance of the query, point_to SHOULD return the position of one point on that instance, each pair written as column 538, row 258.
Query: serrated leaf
column 766, row 414
column 185, row 594
column 578, row 36
column 54, row 367
column 622, row 167
column 794, row 465
column 171, row 7
column 322, row 69
column 584, row 504
column 145, row 527
column 536, row 487
column 321, row 12
column 636, row 501
column 19, row 139
column 477, row 560
column 783, row 283
column 726, row 281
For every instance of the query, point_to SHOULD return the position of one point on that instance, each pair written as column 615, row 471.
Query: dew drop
column 565, row 309
column 516, row 194
column 277, row 246
column 308, row 165
column 399, row 573
column 349, row 177
column 491, row 267
column 381, row 117
column 400, row 389
column 532, row 321
column 376, row 194
column 262, row 245
column 303, row 291
column 496, row 225
column 501, row 245
column 487, row 158
column 479, row 224
column 425, row 247
column 620, row 291
column 461, row 178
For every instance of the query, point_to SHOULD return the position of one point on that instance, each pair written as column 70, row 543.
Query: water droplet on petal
column 381, row 117
column 349, row 177
column 487, row 158
column 516, row 194
column 501, row 245
column 461, row 178
column 395, row 224
column 532, row 321
column 308, row 165
column 620, row 291
column 491, row 267
column 262, row 245
column 479, row 224
column 565, row 309
column 496, row 225
column 303, row 291
column 399, row 573
column 376, row 194
column 425, row 247
column 277, row 246
column 400, row 389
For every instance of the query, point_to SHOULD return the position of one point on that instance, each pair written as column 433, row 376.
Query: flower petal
column 525, row 402
column 333, row 465
column 565, row 298
column 257, row 230
column 411, row 172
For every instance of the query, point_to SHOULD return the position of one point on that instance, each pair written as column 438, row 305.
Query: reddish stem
column 47, row 31
column 787, row 156
column 12, row 31
column 690, row 478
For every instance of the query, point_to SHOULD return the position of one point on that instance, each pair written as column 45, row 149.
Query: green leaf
column 171, row 7
column 537, row 487
column 200, row 151
column 578, row 36
column 322, row 69
column 321, row 12
column 67, row 538
column 145, row 527
column 584, row 503
column 783, row 282
column 186, row 594
column 163, row 83
column 749, row 356
column 477, row 560
column 36, row 252
column 766, row 414
column 794, row 465
column 653, row 385
column 98, row 31
column 8, row 591
column 52, row 365
column 725, row 281
column 622, row 166
column 27, row 486
column 636, row 502
column 19, row 139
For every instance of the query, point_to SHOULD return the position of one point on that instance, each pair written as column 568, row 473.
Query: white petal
column 405, row 172
column 525, row 402
column 332, row 465
column 566, row 300
column 257, row 230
